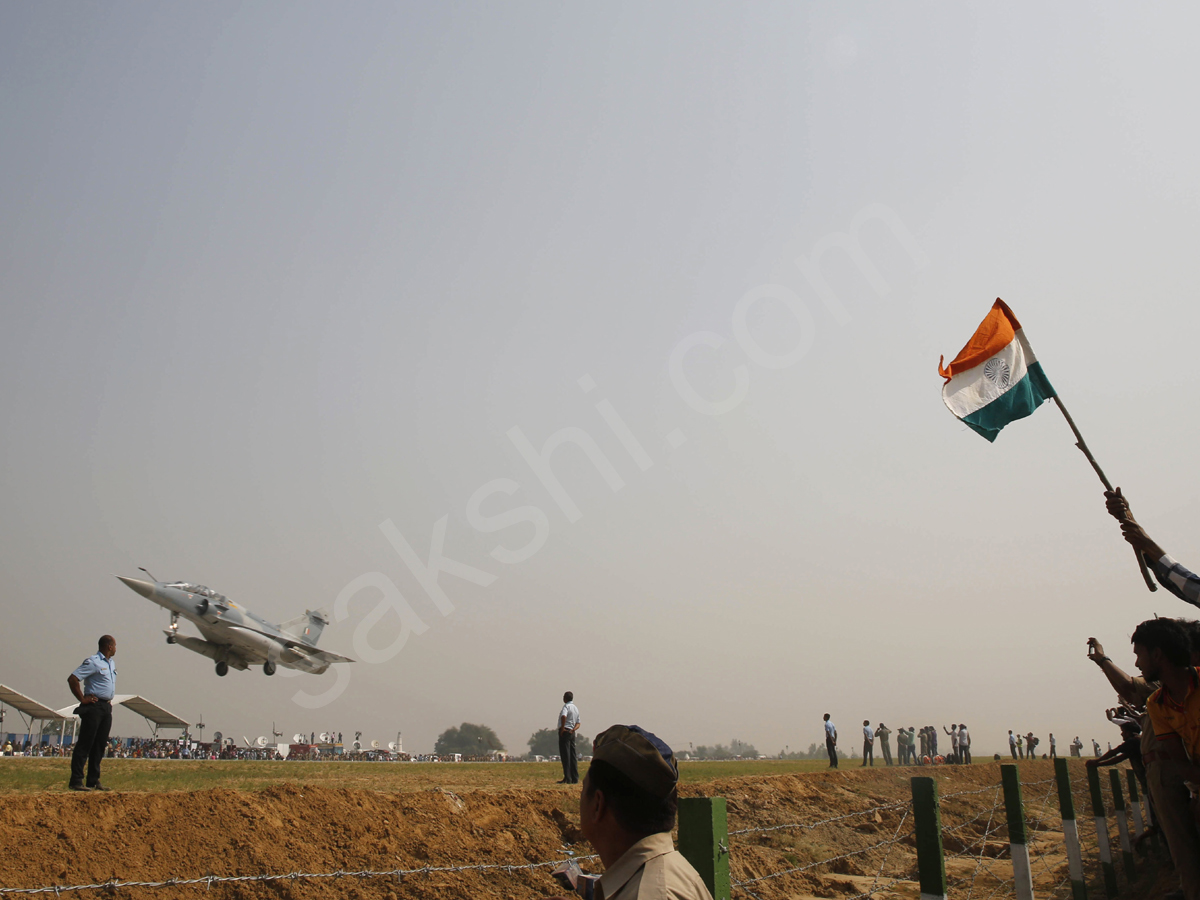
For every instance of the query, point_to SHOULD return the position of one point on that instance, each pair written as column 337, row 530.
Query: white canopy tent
column 32, row 711
column 156, row 717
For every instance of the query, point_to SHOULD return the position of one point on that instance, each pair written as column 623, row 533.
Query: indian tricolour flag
column 995, row 379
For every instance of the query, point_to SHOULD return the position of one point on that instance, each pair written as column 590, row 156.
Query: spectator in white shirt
column 868, row 742
column 953, row 732
column 568, row 724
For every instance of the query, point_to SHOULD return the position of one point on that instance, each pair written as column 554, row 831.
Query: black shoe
column 98, row 787
column 78, row 787
column 562, row 781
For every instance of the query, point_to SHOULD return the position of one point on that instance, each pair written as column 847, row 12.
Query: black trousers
column 868, row 752
column 566, row 752
column 95, row 721
column 831, row 749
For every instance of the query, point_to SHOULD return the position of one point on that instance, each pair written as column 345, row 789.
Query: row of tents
column 54, row 726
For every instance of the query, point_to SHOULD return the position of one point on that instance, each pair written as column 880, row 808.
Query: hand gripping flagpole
column 1082, row 445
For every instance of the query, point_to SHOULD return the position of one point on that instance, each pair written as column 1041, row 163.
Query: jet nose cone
column 145, row 588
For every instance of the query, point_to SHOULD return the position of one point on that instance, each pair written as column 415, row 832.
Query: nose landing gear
column 174, row 628
column 268, row 668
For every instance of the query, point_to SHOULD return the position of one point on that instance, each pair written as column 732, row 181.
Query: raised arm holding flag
column 997, row 379
column 1180, row 581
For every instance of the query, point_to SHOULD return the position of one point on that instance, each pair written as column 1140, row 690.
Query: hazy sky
column 272, row 275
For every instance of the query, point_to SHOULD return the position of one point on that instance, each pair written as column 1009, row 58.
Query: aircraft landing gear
column 222, row 668
column 174, row 628
column 268, row 668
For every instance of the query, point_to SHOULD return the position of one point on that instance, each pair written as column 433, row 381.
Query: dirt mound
column 69, row 839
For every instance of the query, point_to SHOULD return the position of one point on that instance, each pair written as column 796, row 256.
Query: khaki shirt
column 652, row 869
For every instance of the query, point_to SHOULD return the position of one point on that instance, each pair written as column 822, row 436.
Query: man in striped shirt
column 1181, row 582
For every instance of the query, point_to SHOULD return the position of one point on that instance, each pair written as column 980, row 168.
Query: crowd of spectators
column 176, row 748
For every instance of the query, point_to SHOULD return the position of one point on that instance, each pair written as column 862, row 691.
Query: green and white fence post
column 1106, row 860
column 931, row 858
column 1014, row 809
column 1143, row 819
column 1066, row 803
column 1122, row 824
column 704, row 841
column 1135, row 805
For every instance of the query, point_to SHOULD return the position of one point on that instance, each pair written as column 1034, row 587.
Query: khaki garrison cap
column 640, row 756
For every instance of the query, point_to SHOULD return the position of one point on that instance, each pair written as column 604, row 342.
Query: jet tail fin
column 308, row 627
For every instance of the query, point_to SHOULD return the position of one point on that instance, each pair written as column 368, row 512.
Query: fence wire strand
column 209, row 880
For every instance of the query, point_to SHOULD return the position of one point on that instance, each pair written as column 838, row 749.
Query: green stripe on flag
column 1017, row 402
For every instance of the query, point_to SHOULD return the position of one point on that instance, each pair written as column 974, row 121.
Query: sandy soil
column 55, row 838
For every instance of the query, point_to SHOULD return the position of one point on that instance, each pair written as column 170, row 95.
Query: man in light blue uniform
column 568, row 724
column 94, row 685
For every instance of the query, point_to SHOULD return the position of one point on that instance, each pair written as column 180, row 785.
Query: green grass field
column 31, row 775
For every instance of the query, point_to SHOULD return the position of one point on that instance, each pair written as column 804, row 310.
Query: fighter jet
column 234, row 636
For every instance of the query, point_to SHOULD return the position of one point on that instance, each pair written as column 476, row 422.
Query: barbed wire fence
column 974, row 839
column 872, row 817
column 869, row 852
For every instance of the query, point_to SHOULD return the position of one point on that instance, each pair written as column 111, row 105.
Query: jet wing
column 322, row 655
column 299, row 646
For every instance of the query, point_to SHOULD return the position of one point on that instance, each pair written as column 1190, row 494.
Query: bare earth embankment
column 354, row 817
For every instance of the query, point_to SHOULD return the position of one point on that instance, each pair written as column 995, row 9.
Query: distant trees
column 814, row 751
column 467, row 739
column 544, row 742
column 735, row 749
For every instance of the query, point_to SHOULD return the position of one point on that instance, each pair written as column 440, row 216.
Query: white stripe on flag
column 972, row 390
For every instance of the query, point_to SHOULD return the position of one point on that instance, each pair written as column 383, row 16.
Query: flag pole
column 1082, row 445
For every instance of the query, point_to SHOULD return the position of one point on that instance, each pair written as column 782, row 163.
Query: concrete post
column 1106, row 860
column 704, row 841
column 1135, row 805
column 1014, row 809
column 1122, row 825
column 931, row 858
column 1066, row 803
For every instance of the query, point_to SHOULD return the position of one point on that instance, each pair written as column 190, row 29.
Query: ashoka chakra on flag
column 995, row 379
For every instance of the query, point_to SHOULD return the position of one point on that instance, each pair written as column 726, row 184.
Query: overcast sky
column 274, row 275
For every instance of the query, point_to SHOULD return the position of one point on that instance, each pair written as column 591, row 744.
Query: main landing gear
column 174, row 628
column 222, row 668
column 268, row 668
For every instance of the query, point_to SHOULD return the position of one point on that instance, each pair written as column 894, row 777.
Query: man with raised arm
column 1154, row 641
column 885, row 747
column 1181, row 582
column 953, row 732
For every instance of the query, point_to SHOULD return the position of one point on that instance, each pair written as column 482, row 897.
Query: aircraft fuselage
column 233, row 636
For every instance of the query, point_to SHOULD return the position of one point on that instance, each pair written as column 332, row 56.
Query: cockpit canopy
column 194, row 589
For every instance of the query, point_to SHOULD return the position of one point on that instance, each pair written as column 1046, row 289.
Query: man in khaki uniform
column 627, row 810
